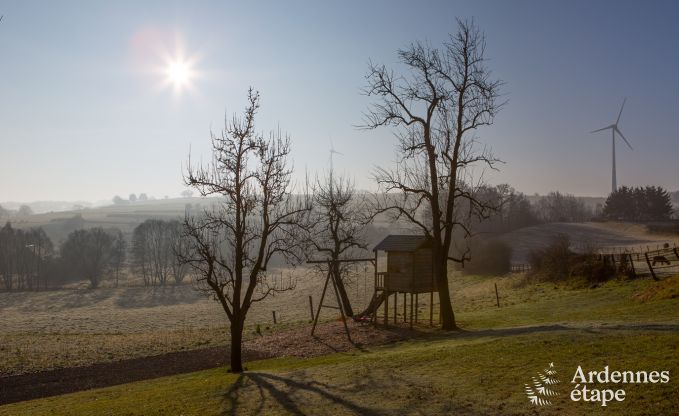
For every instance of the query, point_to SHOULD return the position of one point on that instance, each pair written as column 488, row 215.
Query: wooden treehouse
column 403, row 266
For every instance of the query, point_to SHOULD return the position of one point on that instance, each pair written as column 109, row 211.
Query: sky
column 86, row 111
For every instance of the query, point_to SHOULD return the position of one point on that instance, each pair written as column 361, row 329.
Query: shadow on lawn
column 413, row 394
column 147, row 297
column 282, row 390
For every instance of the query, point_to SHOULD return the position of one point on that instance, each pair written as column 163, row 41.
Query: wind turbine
column 332, row 152
column 614, row 129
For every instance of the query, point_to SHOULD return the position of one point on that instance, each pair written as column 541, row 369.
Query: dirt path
column 67, row 380
column 330, row 337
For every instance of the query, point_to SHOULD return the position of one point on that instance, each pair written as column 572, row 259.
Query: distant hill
column 126, row 216
column 40, row 207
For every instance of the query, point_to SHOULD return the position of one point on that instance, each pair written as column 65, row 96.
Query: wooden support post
column 431, row 308
column 311, row 307
column 411, row 310
column 650, row 267
column 497, row 296
column 405, row 305
column 274, row 317
column 386, row 309
column 340, row 305
column 417, row 305
column 320, row 303
column 395, row 303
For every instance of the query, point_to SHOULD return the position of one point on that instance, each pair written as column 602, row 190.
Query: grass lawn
column 480, row 371
column 460, row 375
column 637, row 301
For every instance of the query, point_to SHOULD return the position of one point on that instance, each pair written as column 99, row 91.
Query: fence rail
column 520, row 268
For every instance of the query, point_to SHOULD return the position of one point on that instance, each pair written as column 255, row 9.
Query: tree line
column 24, row 258
column 649, row 203
column 30, row 261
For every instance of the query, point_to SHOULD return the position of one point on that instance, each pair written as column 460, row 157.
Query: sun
column 179, row 74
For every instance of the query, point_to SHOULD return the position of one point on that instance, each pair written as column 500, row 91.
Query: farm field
column 79, row 327
column 605, row 236
column 64, row 328
column 481, row 370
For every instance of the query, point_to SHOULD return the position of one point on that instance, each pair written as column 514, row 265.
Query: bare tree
column 336, row 227
column 179, row 247
column 444, row 96
column 88, row 254
column 118, row 254
column 256, row 218
column 153, row 249
column 8, row 255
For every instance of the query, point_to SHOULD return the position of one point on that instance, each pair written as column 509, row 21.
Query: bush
column 490, row 258
column 557, row 262
column 553, row 261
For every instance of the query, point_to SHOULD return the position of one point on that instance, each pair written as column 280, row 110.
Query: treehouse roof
column 405, row 243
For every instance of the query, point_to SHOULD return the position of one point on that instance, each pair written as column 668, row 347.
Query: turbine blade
column 623, row 137
column 602, row 129
column 620, row 113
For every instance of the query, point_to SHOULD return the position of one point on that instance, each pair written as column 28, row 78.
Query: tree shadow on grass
column 288, row 394
column 282, row 390
column 62, row 299
column 147, row 297
column 356, row 345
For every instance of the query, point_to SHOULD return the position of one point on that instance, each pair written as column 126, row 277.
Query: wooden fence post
column 631, row 263
column 650, row 267
column 497, row 296
column 274, row 316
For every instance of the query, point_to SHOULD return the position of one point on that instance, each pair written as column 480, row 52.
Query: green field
column 482, row 370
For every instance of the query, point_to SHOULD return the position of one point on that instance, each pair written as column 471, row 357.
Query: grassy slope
column 480, row 372
column 468, row 375
column 546, row 303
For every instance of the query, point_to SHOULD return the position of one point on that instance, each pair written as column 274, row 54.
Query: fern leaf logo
column 541, row 389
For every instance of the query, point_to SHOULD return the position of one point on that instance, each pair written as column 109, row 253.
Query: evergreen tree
column 650, row 203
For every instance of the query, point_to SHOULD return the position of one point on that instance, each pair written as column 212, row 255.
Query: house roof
column 401, row 243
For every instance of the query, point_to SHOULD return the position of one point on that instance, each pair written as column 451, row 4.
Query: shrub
column 553, row 261
column 557, row 262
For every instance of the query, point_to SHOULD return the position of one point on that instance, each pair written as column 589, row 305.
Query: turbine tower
column 332, row 152
column 614, row 129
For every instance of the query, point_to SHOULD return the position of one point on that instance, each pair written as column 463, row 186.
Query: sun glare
column 179, row 74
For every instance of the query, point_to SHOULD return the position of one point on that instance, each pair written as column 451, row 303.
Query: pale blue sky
column 83, row 117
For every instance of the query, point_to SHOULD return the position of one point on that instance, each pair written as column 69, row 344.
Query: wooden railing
column 380, row 280
column 520, row 268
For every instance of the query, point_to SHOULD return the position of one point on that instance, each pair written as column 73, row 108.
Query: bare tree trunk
column 236, row 345
column 447, row 314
